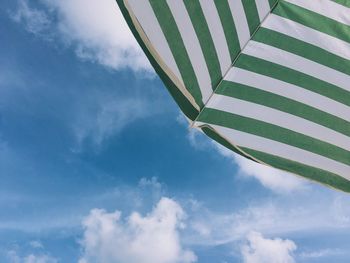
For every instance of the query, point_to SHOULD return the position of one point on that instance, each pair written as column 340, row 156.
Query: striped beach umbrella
column 268, row 79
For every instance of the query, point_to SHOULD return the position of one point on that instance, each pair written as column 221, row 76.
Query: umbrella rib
column 193, row 123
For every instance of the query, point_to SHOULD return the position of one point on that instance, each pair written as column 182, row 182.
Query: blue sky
column 97, row 164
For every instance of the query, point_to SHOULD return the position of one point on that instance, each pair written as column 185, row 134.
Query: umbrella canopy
column 268, row 79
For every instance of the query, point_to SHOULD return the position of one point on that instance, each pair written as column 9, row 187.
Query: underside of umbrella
column 268, row 79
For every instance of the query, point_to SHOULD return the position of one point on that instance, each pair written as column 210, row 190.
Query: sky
column 98, row 165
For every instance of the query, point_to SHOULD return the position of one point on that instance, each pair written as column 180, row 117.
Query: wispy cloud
column 35, row 21
column 105, row 117
column 36, row 244
column 270, row 217
column 321, row 253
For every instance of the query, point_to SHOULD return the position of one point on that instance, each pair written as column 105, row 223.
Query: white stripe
column 298, row 63
column 263, row 7
column 240, row 21
column 282, row 150
column 217, row 34
column 192, row 45
column 288, row 90
column 146, row 17
column 326, row 8
column 308, row 35
column 278, row 118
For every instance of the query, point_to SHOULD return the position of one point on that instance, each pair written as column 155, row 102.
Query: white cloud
column 341, row 210
column 35, row 21
column 276, row 180
column 198, row 139
column 150, row 239
column 153, row 187
column 36, row 244
column 100, row 32
column 264, row 250
column 107, row 117
column 96, row 29
column 13, row 257
column 152, row 182
column 201, row 228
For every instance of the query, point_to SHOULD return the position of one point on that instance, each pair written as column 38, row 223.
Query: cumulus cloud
column 13, row 257
column 153, row 238
column 263, row 250
column 96, row 30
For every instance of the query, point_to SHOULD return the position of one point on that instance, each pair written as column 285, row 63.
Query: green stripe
column 200, row 25
column 302, row 49
column 185, row 106
column 314, row 20
column 306, row 171
column 173, row 37
column 343, row 2
column 252, row 15
column 229, row 28
column 284, row 104
column 291, row 76
column 274, row 132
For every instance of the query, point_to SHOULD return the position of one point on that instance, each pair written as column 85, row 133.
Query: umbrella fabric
column 267, row 79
